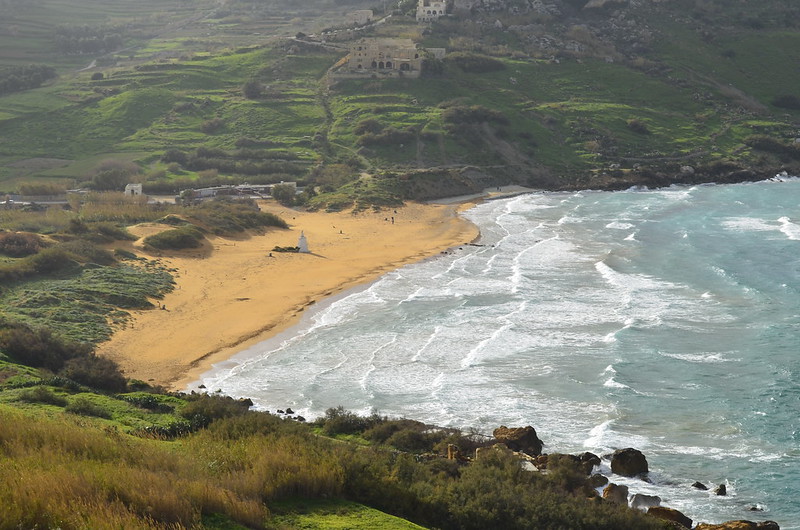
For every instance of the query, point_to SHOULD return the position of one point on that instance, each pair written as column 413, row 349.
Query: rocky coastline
column 628, row 462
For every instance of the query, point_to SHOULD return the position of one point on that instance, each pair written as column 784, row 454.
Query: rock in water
column 699, row 485
column 628, row 462
column 721, row 490
column 616, row 494
column 670, row 514
column 522, row 439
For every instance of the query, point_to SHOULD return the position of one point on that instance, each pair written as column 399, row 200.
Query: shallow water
column 664, row 320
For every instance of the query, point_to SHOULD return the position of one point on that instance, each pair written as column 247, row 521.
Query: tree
column 113, row 174
column 284, row 194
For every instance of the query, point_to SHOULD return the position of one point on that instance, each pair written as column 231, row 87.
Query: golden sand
column 232, row 294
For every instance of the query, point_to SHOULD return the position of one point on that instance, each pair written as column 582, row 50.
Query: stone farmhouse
column 386, row 57
column 429, row 10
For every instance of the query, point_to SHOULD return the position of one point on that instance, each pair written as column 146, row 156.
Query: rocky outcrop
column 739, row 525
column 589, row 461
column 629, row 462
column 640, row 501
column 670, row 514
column 721, row 490
column 699, row 485
column 521, row 439
column 616, row 494
column 598, row 481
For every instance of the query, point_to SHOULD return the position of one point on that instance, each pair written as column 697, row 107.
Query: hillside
column 562, row 94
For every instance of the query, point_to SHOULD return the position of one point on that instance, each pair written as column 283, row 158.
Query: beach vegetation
column 184, row 237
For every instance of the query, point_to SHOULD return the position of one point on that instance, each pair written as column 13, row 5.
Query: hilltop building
column 388, row 57
column 429, row 10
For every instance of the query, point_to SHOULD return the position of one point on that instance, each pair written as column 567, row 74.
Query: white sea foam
column 747, row 224
column 616, row 225
column 790, row 229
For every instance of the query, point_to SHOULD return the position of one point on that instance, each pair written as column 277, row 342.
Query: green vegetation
column 69, row 461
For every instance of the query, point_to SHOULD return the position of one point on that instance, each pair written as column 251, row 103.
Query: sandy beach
column 233, row 294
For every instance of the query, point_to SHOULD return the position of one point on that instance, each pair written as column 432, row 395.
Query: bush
column 638, row 126
column 284, row 194
column 87, row 251
column 95, row 372
column 20, row 244
column 212, row 126
column 176, row 239
column 340, row 421
column 204, row 409
column 40, row 394
column 149, row 402
column 113, row 174
column 38, row 347
column 473, row 63
column 787, row 101
column 85, row 407
column 252, row 89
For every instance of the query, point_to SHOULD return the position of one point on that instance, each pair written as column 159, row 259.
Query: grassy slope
column 570, row 116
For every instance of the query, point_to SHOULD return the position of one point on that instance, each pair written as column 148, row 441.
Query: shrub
column 204, row 409
column 787, row 101
column 340, row 421
column 149, row 402
column 87, row 251
column 212, row 126
column 40, row 394
column 20, row 244
column 174, row 155
column 85, row 407
column 252, row 89
column 113, row 174
column 370, row 125
column 638, row 126
column 176, row 239
column 95, row 372
column 474, row 63
column 284, row 194
column 38, row 347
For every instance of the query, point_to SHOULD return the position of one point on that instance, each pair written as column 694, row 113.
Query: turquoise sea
column 666, row 320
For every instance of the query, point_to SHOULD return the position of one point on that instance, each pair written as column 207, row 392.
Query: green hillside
column 578, row 97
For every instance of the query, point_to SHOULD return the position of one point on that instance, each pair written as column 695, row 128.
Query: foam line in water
column 789, row 229
column 436, row 331
column 471, row 357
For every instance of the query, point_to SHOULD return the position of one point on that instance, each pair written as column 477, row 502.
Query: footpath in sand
column 232, row 294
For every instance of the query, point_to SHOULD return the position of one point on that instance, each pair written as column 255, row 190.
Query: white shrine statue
column 302, row 244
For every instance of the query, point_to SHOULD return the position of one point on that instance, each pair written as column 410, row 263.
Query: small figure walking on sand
column 392, row 219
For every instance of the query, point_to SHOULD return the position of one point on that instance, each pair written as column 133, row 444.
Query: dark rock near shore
column 629, row 462
column 699, row 485
column 721, row 490
column 670, row 514
column 589, row 461
column 598, row 481
column 521, row 439
column 616, row 494
column 739, row 525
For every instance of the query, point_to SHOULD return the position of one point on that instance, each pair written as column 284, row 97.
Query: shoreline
column 234, row 294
